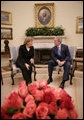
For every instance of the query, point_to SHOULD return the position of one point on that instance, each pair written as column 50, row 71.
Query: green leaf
column 23, row 106
column 51, row 115
column 11, row 110
column 37, row 102
column 68, row 117
column 58, row 104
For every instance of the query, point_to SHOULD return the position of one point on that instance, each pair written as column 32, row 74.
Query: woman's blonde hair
column 28, row 39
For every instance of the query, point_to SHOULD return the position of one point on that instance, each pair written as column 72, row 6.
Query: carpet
column 7, row 68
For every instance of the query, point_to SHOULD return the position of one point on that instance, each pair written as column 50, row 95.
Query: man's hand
column 60, row 63
column 32, row 60
column 27, row 66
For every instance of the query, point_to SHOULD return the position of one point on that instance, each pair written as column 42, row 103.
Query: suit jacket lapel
column 56, row 49
column 62, row 49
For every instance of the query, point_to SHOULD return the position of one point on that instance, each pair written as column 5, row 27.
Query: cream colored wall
column 23, row 17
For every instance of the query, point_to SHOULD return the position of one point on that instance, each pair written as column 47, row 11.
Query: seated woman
column 25, row 59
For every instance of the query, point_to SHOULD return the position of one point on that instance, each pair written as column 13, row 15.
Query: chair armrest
column 77, row 59
column 73, row 66
column 10, row 59
column 11, row 63
column 33, row 65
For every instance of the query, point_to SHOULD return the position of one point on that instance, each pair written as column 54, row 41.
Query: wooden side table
column 77, row 59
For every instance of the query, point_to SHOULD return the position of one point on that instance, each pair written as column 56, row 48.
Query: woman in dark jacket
column 26, row 59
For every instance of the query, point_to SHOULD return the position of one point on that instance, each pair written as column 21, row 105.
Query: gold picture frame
column 6, row 33
column 79, row 24
column 44, row 15
column 6, row 18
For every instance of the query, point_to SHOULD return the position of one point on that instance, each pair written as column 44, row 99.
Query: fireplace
column 42, row 46
column 42, row 55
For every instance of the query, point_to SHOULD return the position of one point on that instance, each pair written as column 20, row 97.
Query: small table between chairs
column 77, row 59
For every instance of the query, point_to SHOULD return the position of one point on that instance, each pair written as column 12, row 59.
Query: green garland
column 44, row 31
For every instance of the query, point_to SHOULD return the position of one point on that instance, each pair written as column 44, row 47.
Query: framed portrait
column 44, row 15
column 6, row 33
column 6, row 18
column 79, row 25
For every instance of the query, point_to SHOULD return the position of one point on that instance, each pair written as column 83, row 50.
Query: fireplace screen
column 42, row 56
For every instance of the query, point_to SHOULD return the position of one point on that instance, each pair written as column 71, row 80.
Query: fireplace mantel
column 45, row 41
column 47, row 37
column 44, row 37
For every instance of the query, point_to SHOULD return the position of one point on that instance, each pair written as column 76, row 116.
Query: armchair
column 14, row 68
column 72, row 50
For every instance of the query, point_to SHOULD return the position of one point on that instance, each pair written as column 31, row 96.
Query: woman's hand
column 27, row 66
column 32, row 60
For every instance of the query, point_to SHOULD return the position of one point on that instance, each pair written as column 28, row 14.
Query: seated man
column 60, row 56
column 26, row 59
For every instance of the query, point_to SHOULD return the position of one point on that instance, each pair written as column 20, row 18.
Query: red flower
column 7, row 117
column 52, row 108
column 38, row 95
column 29, row 98
column 38, row 101
column 66, row 103
column 4, row 114
column 59, row 93
column 37, row 83
column 73, row 114
column 13, row 101
column 61, row 114
column 63, row 94
column 47, row 117
column 42, row 83
column 44, row 104
column 30, row 109
column 41, row 112
column 22, row 84
column 49, row 97
column 32, row 88
column 23, row 91
column 18, row 115
column 46, row 88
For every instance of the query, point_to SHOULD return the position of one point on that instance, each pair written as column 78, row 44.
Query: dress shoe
column 30, row 81
column 62, row 85
column 26, row 83
column 49, row 80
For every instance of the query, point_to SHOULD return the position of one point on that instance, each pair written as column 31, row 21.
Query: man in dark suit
column 60, row 56
column 26, row 59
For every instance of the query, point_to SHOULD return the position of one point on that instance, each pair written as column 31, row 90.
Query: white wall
column 23, row 17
